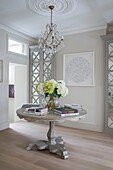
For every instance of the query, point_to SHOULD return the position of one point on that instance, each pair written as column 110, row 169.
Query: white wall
column 90, row 97
column 11, row 100
column 21, row 90
column 19, row 77
column 8, row 57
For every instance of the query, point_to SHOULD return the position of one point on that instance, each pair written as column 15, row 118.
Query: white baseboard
column 85, row 126
column 4, row 125
column 77, row 125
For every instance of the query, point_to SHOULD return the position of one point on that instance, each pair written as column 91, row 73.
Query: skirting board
column 85, row 126
column 4, row 125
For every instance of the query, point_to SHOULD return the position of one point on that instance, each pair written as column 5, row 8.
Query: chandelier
column 51, row 41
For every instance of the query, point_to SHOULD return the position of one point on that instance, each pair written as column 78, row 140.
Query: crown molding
column 18, row 33
column 73, row 31
column 107, row 37
column 65, row 32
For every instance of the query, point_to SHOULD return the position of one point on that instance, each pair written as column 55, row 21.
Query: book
column 66, row 114
column 37, row 109
column 28, row 105
column 40, row 111
column 65, row 110
column 35, row 113
column 74, row 106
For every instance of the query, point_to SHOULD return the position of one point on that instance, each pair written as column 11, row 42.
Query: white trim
column 18, row 33
column 65, row 32
column 85, row 126
column 4, row 125
column 74, row 31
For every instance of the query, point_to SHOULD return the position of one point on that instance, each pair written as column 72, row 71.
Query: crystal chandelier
column 51, row 41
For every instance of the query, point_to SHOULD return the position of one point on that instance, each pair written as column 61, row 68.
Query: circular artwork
column 78, row 69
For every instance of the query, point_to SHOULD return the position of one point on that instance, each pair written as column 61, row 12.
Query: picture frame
column 1, row 71
column 78, row 69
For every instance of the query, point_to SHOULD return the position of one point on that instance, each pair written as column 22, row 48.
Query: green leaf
column 55, row 91
column 46, row 94
column 58, row 95
column 52, row 94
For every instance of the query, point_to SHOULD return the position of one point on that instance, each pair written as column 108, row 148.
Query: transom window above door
column 17, row 47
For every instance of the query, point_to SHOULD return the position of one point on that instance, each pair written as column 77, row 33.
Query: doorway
column 18, row 89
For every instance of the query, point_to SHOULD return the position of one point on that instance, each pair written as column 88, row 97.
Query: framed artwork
column 78, row 69
column 11, row 91
column 1, row 71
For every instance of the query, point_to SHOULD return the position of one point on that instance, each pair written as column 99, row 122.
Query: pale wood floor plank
column 88, row 150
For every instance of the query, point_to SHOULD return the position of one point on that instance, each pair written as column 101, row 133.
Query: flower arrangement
column 52, row 89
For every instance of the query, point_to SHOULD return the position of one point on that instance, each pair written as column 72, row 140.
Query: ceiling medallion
column 60, row 6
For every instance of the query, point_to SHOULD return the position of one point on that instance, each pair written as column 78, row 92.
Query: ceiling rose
column 60, row 6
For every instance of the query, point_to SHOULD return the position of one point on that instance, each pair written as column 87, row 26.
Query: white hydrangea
column 40, row 88
column 65, row 92
column 62, row 82
column 59, row 88
column 53, row 81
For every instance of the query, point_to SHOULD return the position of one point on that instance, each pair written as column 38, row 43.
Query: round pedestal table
column 54, row 144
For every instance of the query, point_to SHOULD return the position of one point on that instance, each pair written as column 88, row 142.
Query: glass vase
column 52, row 103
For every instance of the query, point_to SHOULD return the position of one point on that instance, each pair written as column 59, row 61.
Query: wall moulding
column 1, row 71
column 17, row 32
column 4, row 125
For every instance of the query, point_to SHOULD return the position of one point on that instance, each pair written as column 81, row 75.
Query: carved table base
column 54, row 145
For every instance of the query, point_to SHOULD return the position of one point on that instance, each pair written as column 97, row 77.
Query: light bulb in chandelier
column 51, row 41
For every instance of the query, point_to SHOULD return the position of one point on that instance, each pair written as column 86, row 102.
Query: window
column 17, row 47
column 35, row 69
column 41, row 69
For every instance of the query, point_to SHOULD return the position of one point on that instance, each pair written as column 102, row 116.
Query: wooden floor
column 87, row 150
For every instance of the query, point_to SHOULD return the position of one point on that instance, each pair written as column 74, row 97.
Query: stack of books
column 62, row 111
column 39, row 111
column 74, row 106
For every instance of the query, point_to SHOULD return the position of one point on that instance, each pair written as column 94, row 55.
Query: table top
column 51, row 116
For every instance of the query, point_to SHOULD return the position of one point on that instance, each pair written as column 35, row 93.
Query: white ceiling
column 86, row 15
